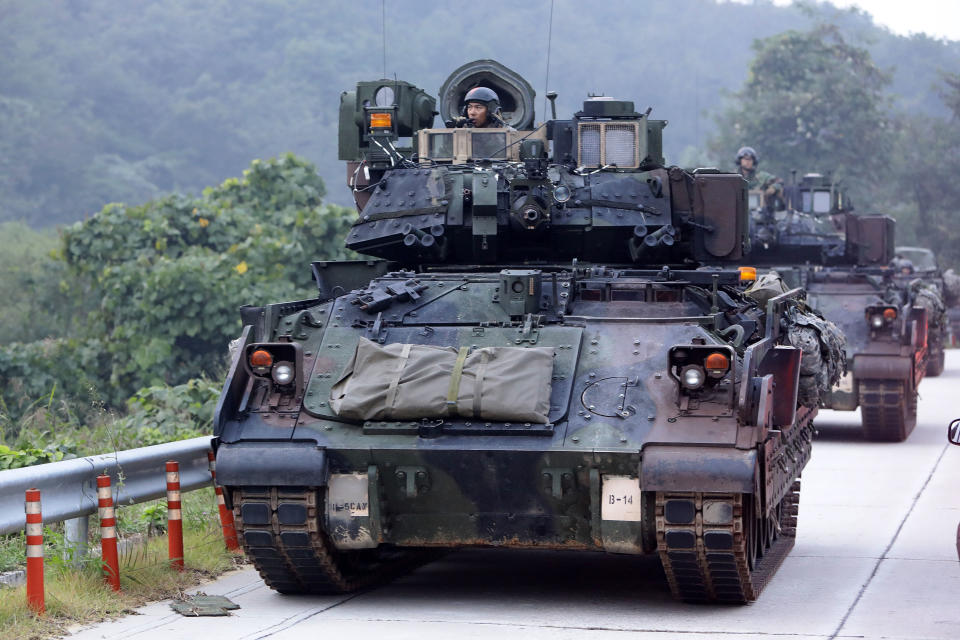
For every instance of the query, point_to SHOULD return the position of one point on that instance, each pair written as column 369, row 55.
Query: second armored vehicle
column 843, row 261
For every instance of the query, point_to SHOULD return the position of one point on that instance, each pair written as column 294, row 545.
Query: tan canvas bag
column 411, row 381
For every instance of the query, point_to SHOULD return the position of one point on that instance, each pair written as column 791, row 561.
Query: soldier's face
column 746, row 163
column 477, row 112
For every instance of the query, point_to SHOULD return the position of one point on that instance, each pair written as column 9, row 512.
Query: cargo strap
column 455, row 379
column 478, row 385
column 395, row 382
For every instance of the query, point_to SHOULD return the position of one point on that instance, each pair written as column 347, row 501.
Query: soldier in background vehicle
column 772, row 187
column 902, row 266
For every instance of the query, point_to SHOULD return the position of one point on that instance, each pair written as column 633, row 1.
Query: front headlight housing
column 881, row 316
column 697, row 366
column 277, row 362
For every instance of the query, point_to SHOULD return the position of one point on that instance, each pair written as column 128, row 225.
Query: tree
column 812, row 102
column 170, row 275
column 925, row 184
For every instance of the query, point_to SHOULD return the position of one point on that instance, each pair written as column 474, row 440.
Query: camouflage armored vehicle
column 918, row 272
column 531, row 358
column 843, row 260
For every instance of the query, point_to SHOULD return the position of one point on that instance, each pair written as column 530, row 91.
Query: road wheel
column 935, row 362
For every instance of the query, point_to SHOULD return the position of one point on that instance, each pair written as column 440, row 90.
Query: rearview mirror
column 953, row 432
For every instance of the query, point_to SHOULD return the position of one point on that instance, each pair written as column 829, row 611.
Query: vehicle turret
column 815, row 223
column 593, row 187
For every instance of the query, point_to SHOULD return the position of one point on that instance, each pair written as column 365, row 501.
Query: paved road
column 875, row 558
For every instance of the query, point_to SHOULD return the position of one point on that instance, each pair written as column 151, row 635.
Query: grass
column 78, row 595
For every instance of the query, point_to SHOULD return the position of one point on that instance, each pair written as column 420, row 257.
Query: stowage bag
column 412, row 381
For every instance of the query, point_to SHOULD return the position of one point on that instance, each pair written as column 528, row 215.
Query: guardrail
column 69, row 489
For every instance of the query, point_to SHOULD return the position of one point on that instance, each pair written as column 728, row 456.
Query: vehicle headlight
column 692, row 377
column 876, row 321
column 283, row 373
column 561, row 193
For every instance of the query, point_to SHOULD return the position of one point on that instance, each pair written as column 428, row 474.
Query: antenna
column 383, row 31
column 546, row 79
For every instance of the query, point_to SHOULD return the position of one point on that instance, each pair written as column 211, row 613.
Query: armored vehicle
column 531, row 358
column 844, row 262
column 917, row 271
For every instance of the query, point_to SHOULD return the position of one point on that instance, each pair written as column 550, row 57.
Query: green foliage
column 17, row 458
column 169, row 276
column 154, row 517
column 812, row 102
column 163, row 414
column 48, row 382
column 925, row 191
column 40, row 297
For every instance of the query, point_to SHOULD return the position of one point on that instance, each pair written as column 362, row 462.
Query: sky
column 936, row 18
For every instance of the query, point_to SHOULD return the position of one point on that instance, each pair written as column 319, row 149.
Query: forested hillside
column 104, row 101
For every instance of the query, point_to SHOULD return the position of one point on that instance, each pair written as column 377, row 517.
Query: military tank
column 532, row 357
column 917, row 271
column 843, row 260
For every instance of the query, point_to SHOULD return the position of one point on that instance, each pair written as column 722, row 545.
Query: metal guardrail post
column 75, row 532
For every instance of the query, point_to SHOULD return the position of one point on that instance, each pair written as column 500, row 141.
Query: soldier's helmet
column 747, row 151
column 485, row 96
column 903, row 266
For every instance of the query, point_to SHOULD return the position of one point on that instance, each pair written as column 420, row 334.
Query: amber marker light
column 716, row 364
column 747, row 274
column 261, row 358
column 890, row 314
column 380, row 120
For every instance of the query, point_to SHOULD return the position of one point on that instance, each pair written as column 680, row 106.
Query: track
column 713, row 547
column 280, row 535
column 889, row 410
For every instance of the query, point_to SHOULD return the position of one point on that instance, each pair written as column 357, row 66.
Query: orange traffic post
column 226, row 516
column 34, row 552
column 174, row 518
column 108, row 533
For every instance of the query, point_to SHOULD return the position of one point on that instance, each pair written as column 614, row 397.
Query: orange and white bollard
column 226, row 516
column 34, row 552
column 108, row 533
column 174, row 518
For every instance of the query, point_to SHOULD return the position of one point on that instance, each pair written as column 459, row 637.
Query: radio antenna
column 546, row 79
column 383, row 31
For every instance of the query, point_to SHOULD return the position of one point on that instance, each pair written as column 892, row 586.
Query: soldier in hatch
column 482, row 109
column 772, row 187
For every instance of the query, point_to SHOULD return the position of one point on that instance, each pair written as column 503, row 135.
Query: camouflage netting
column 951, row 288
column 821, row 342
column 824, row 358
column 925, row 295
